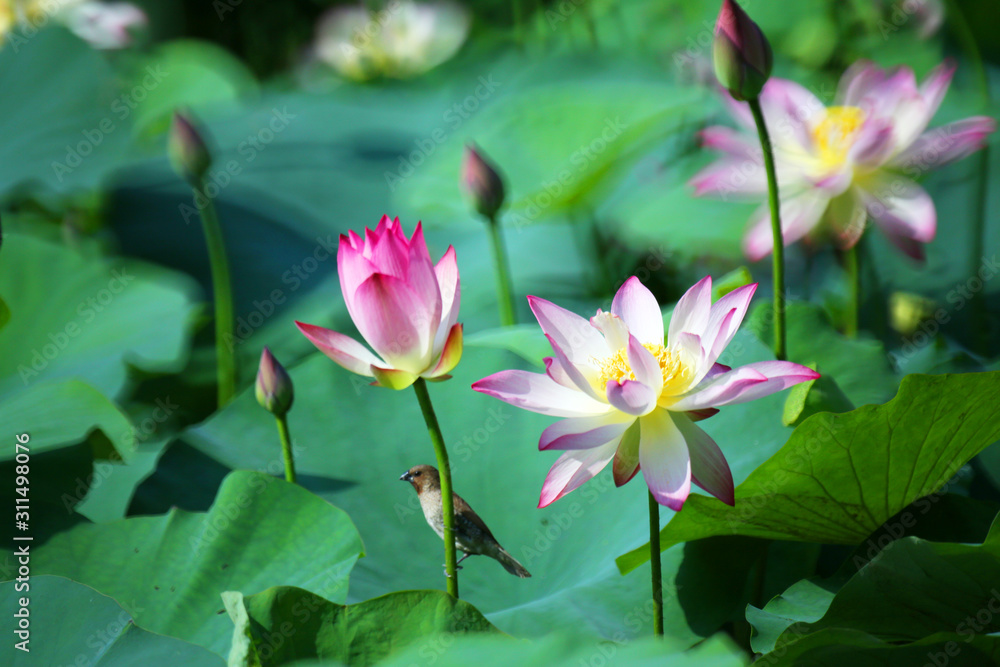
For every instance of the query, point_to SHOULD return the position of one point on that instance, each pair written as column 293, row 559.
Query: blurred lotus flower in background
column 740, row 52
column 103, row 25
column 402, row 40
column 629, row 397
column 927, row 16
column 403, row 305
column 838, row 166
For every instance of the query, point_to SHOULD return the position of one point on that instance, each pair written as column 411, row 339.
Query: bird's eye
column 417, row 474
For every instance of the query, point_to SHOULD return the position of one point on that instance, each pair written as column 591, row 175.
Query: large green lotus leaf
column 656, row 206
column 88, row 317
column 835, row 648
column 81, row 410
column 563, row 144
column 86, row 443
column 357, row 634
column 840, row 477
column 860, row 367
column 112, row 489
column 169, row 571
column 68, row 125
column 72, row 624
column 192, row 74
column 558, row 651
column 353, row 442
column 910, row 590
column 939, row 517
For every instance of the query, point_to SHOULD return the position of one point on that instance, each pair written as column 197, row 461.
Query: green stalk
column 779, row 246
column 444, row 470
column 588, row 19
column 222, row 293
column 853, row 261
column 518, row 20
column 505, row 292
column 286, row 447
column 654, row 560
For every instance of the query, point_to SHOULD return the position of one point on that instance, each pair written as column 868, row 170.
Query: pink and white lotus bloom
column 841, row 165
column 404, row 306
column 629, row 396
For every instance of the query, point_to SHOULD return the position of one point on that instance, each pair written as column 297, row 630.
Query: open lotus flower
column 629, row 397
column 402, row 40
column 841, row 165
column 405, row 307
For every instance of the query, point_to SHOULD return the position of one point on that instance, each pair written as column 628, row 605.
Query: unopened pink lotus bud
column 187, row 150
column 274, row 387
column 741, row 53
column 482, row 182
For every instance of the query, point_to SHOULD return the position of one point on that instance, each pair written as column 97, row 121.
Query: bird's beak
column 406, row 477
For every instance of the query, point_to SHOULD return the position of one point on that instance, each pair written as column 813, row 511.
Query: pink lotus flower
column 838, row 166
column 628, row 397
column 405, row 307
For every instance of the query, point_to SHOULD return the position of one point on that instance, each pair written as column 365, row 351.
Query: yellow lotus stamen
column 617, row 367
column 834, row 135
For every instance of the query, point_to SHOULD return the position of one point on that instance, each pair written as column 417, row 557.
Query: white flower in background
column 103, row 25
column 401, row 40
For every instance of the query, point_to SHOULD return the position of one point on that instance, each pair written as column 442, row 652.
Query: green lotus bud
column 274, row 387
column 187, row 150
column 482, row 182
column 741, row 53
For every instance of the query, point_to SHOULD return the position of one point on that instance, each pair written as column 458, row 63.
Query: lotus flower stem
column 222, row 294
column 518, row 11
column 779, row 246
column 588, row 18
column 286, row 447
column 654, row 560
column 505, row 293
column 444, row 469
column 853, row 260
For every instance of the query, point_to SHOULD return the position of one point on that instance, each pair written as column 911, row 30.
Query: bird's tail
column 511, row 565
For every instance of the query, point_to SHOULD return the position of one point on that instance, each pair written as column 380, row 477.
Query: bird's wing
column 465, row 514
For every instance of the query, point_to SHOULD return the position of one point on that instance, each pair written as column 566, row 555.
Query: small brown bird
column 472, row 537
